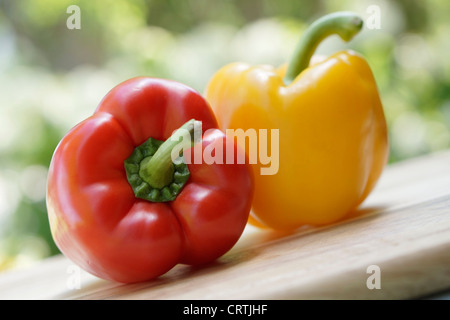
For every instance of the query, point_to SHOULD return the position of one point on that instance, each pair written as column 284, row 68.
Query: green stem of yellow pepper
column 344, row 24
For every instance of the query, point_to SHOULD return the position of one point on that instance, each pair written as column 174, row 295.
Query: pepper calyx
column 151, row 171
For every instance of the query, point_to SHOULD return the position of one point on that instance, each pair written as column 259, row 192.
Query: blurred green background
column 52, row 77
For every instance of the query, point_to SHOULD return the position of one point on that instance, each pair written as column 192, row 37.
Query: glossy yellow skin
column 333, row 142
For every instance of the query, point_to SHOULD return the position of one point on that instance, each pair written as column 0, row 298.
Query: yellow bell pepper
column 333, row 141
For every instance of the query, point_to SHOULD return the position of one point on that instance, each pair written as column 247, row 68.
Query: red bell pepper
column 121, row 209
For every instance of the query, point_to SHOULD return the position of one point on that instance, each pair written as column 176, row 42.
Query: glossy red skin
column 96, row 220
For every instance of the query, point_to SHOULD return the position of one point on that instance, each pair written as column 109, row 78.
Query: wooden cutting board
column 397, row 246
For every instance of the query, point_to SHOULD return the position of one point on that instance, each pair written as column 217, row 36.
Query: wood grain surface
column 403, row 229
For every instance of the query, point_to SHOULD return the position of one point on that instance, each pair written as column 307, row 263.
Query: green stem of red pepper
column 344, row 24
column 151, row 170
